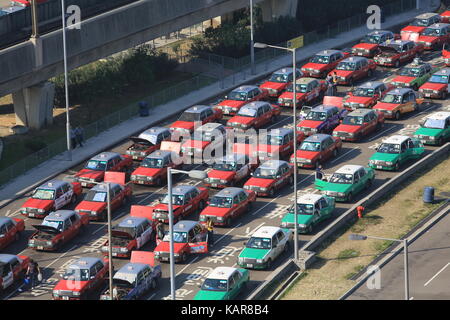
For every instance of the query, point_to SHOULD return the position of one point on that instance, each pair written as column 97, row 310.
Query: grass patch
column 355, row 271
column 348, row 254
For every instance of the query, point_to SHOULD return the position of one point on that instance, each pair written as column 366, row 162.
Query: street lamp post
column 195, row 174
column 405, row 255
column 252, row 48
column 66, row 86
column 294, row 121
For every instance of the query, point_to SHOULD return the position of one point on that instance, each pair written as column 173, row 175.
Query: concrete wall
column 104, row 35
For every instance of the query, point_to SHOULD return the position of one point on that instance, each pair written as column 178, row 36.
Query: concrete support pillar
column 272, row 9
column 34, row 106
column 227, row 18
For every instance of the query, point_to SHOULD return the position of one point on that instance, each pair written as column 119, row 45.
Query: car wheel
column 415, row 87
column 201, row 206
column 309, row 230
column 158, row 182
column 397, row 115
column 184, row 257
column 269, row 264
column 286, row 247
column 440, row 141
column 396, row 166
column 335, row 152
column 350, row 197
column 291, row 180
column 271, row 193
column 249, row 206
column 444, row 95
column 228, row 222
column 17, row 236
column 153, row 284
column 397, row 63
column 351, row 82
column 369, row 183
column 73, row 200
column 369, row 73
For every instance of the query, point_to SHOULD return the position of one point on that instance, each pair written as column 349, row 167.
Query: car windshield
column 76, row 274
column 395, row 46
column 320, row 59
column 364, row 92
column 123, row 283
column 221, row 202
column 274, row 140
column 227, row 166
column 214, row 285
column 346, row 65
column 420, row 23
column 307, row 209
column 96, row 165
column 43, row 194
column 343, row 178
column 410, row 72
column 96, row 196
column 279, row 77
column 155, row 163
column 299, row 88
column 310, row 146
column 247, row 112
column 389, row 148
column 371, row 38
column 177, row 199
column 53, row 224
column 238, row 95
column 178, row 237
column 128, row 230
column 353, row 120
column 264, row 173
column 432, row 32
column 434, row 124
column 438, row 79
column 190, row 116
column 392, row 98
column 259, row 243
column 316, row 116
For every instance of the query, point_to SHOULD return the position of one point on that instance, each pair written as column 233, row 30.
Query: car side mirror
column 244, row 243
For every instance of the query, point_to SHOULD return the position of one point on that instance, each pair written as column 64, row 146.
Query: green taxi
column 413, row 75
column 394, row 151
column 223, row 283
column 264, row 246
column 435, row 129
column 311, row 209
column 346, row 182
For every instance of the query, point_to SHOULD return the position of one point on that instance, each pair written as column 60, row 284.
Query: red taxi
column 352, row 69
column 366, row 95
column 358, row 124
column 437, row 86
column 239, row 97
column 368, row 46
column 12, row 269
column 204, row 141
column 196, row 115
column 307, row 90
column 279, row 81
column 413, row 30
column 10, row 229
column 323, row 62
column 278, row 144
column 435, row 36
column 148, row 142
column 397, row 52
column 316, row 149
column 229, row 170
column 254, row 115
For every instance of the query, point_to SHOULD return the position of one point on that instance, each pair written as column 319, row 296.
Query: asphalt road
column 228, row 241
column 429, row 270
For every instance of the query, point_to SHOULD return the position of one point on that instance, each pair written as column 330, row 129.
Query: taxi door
column 7, row 276
column 266, row 114
column 198, row 243
column 60, row 198
column 358, row 183
column 288, row 144
column 416, row 148
column 243, row 171
column 407, row 103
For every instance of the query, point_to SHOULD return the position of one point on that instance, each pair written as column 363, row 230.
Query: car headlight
column 105, row 248
column 49, row 243
column 435, row 91
column 389, row 163
column 157, row 253
column 92, row 180
column 31, row 241
column 133, row 177
column 149, row 178
column 124, row 250
column 176, row 254
column 371, row 161
column 220, row 219
column 341, row 194
column 313, row 129
column 198, row 149
column 202, row 218
column 302, row 226
column 241, row 260
column 263, row 189
column 223, row 181
column 246, row 187
column 428, row 44
column 76, row 293
column 431, row 137
column 208, row 179
column 41, row 210
column 56, row 293
column 143, row 154
column 284, row 224
column 407, row 84
column 244, row 126
column 315, row 71
column 94, row 213
column 259, row 260
column 280, row 100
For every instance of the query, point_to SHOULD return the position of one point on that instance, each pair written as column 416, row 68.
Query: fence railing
column 105, row 123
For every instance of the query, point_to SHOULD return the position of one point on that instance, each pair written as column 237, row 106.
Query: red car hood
column 428, row 38
column 386, row 106
column 38, row 204
column 91, row 206
column 358, row 99
column 70, row 285
column 148, row 172
column 413, row 29
column 445, row 54
column 183, row 124
column 289, row 95
column 315, row 66
column 164, row 207
column 268, row 148
column 259, row 182
column 310, row 124
column 433, row 86
column 307, row 154
column 368, row 46
column 225, row 175
column 90, row 174
column 403, row 79
column 347, row 128
column 213, row 211
column 273, row 85
column 343, row 73
column 232, row 103
column 195, row 144
column 243, row 120
column 165, row 247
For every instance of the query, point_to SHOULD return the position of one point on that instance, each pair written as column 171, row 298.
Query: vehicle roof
column 327, row 52
column 197, row 109
column 105, row 156
column 305, row 80
column 318, row 137
column 441, row 115
column 5, row 258
column 184, row 225
column 360, row 112
column 210, row 126
column 60, row 215
column 131, row 268
column 439, row 25
column 400, row 90
column 85, row 262
column 131, row 222
column 266, row 232
column 272, row 164
column 255, row 104
column 396, row 139
column 3, row 220
column 280, row 131
column 101, row 187
column 221, row 273
column 426, row 15
column 182, row 189
column 246, row 88
column 53, row 184
column 371, row 84
column 380, row 32
column 309, row 198
column 159, row 154
column 285, row 70
column 228, row 192
column 323, row 107
column 443, row 71
column 349, row 168
column 355, row 59
column 154, row 131
column 398, row 41
column 231, row 157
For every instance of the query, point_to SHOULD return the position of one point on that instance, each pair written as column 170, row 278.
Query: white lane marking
column 61, row 256
column 98, row 229
column 412, row 298
column 151, row 297
column 381, row 133
column 436, row 274
column 353, row 149
column 223, row 236
column 7, row 213
column 188, row 265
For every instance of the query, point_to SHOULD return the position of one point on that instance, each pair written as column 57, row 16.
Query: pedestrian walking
column 32, row 276
column 335, row 82
column 319, row 173
column 160, row 230
column 360, row 210
column 210, row 228
column 73, row 138
column 79, row 135
column 329, row 80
